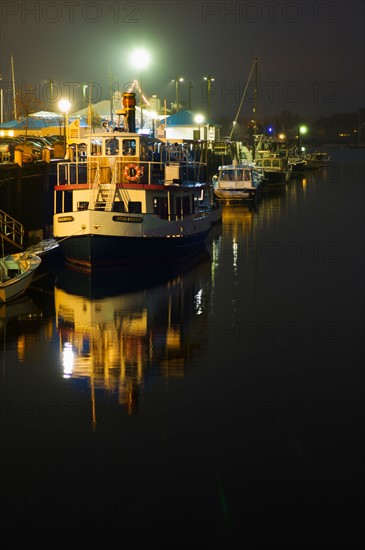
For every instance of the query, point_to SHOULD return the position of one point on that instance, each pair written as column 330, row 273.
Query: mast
column 254, row 110
column 254, row 65
column 13, row 80
column 110, row 91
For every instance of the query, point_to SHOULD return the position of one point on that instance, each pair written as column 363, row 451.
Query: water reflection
column 19, row 323
column 121, row 330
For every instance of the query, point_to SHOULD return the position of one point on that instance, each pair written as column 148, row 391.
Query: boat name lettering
column 126, row 219
column 65, row 219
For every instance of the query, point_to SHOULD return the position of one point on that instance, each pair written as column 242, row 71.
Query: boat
column 121, row 199
column 297, row 164
column 16, row 273
column 237, row 182
column 272, row 157
column 317, row 159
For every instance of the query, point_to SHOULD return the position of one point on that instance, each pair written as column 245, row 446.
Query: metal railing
column 11, row 229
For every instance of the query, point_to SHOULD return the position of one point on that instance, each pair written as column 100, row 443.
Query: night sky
column 311, row 53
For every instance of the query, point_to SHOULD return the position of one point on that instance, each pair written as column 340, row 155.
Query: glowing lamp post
column 301, row 131
column 177, row 80
column 199, row 120
column 209, row 80
column 140, row 58
column 64, row 106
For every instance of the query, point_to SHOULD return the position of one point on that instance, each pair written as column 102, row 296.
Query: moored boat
column 16, row 273
column 121, row 199
column 317, row 159
column 275, row 167
column 237, row 182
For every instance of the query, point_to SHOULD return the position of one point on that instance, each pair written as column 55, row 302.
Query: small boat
column 122, row 198
column 237, row 182
column 317, row 159
column 16, row 273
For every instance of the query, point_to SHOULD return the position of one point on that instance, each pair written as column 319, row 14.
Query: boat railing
column 75, row 173
column 11, row 229
column 102, row 171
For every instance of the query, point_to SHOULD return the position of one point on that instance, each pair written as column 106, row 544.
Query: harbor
column 182, row 275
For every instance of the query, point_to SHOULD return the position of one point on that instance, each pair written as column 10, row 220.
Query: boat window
column 276, row 163
column 81, row 152
column 183, row 205
column 239, row 174
column 160, row 207
column 135, row 207
column 112, row 146
column 129, row 147
column 118, row 206
column 82, row 205
column 267, row 163
column 96, row 145
column 247, row 175
column 228, row 175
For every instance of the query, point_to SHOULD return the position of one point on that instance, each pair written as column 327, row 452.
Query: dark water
column 218, row 405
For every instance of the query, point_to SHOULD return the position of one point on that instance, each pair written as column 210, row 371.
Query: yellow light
column 199, row 119
column 303, row 129
column 64, row 105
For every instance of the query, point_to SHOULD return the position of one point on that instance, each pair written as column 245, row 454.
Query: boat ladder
column 105, row 196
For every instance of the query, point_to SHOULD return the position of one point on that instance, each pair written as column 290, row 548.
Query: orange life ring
column 133, row 172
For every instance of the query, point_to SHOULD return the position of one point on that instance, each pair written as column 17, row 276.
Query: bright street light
column 199, row 119
column 208, row 79
column 177, row 80
column 140, row 58
column 301, row 131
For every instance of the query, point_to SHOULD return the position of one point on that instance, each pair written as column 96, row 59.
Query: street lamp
column 140, row 58
column 177, row 80
column 301, row 131
column 64, row 106
column 209, row 80
column 199, row 120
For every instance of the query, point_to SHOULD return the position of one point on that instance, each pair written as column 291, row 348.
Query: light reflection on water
column 118, row 341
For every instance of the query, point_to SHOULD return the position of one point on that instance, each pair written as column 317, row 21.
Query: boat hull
column 276, row 178
column 112, row 239
column 88, row 252
column 235, row 195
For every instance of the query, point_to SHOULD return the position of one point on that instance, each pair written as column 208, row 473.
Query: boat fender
column 133, row 172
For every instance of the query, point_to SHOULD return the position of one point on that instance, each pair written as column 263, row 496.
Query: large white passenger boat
column 121, row 199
